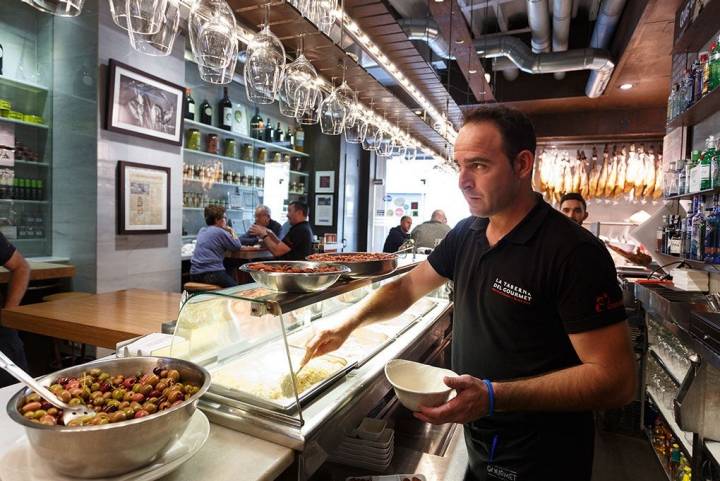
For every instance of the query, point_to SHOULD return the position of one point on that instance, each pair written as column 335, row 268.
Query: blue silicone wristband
column 491, row 397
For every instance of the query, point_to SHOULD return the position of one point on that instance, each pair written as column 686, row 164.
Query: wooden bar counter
column 42, row 271
column 100, row 319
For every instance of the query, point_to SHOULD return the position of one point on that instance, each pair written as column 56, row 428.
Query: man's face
column 405, row 224
column 295, row 216
column 487, row 178
column 574, row 210
column 261, row 218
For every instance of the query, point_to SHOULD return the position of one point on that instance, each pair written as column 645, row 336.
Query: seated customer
column 206, row 264
column 398, row 235
column 430, row 233
column 262, row 217
column 10, row 343
column 297, row 243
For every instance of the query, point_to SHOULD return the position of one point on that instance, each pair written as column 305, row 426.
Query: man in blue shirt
column 206, row 264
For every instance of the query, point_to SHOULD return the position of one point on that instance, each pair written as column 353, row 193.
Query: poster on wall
column 143, row 105
column 325, row 181
column 324, row 210
column 143, row 199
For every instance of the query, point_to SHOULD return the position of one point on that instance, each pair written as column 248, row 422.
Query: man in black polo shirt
column 10, row 343
column 297, row 243
column 539, row 337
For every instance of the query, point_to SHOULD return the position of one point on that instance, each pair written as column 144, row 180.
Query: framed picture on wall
column 325, row 181
column 324, row 210
column 143, row 199
column 143, row 105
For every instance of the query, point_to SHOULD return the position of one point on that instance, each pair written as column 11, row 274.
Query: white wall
column 143, row 261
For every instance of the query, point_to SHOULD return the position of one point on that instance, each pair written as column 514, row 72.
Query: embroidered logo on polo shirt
column 498, row 472
column 603, row 303
column 511, row 291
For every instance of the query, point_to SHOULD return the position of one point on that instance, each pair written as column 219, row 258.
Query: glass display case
column 252, row 340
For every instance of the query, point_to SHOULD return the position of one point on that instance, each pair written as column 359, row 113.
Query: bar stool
column 195, row 287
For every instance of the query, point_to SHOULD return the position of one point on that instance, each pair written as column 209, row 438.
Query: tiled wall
column 75, row 143
column 140, row 261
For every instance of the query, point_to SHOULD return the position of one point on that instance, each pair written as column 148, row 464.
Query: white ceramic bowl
column 418, row 384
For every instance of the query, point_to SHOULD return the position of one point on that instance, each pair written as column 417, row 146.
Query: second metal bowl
column 296, row 281
column 362, row 268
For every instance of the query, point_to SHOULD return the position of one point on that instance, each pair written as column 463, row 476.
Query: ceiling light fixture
column 626, row 86
column 487, row 77
column 472, row 70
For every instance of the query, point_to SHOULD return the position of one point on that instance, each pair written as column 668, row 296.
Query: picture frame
column 143, row 198
column 324, row 209
column 143, row 105
column 325, row 181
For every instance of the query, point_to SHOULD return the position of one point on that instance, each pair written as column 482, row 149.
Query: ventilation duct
column 536, row 63
column 562, row 10
column 427, row 30
column 539, row 21
column 605, row 25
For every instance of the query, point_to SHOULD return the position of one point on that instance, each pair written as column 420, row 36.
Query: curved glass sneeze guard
column 252, row 349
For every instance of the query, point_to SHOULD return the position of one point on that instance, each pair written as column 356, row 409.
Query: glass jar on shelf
column 251, row 181
column 300, row 188
column 229, row 150
column 212, row 143
column 243, row 180
column 247, row 152
column 192, row 140
column 262, row 156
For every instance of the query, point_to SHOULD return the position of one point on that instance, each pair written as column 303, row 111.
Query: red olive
column 32, row 406
column 141, row 414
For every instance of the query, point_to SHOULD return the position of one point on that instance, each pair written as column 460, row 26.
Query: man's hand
column 471, row 402
column 325, row 341
column 258, row 230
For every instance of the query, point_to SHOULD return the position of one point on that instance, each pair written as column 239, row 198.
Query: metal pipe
column 539, row 20
column 577, row 59
column 562, row 10
column 605, row 26
column 427, row 30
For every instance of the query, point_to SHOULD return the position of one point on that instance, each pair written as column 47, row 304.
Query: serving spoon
column 69, row 412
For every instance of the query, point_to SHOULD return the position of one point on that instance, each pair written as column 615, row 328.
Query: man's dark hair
column 574, row 196
column 517, row 131
column 213, row 213
column 300, row 206
column 404, row 217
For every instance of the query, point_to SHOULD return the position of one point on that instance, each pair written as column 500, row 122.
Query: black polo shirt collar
column 526, row 229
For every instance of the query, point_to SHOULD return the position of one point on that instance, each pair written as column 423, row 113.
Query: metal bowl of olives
column 113, row 447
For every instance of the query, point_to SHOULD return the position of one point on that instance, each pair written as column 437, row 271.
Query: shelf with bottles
column 685, row 437
column 270, row 146
column 213, row 175
column 200, row 153
column 698, row 111
column 699, row 175
column 200, row 200
column 703, row 16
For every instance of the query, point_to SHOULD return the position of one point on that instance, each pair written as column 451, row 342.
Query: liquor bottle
column 278, row 134
column 660, row 235
column 697, row 235
column 674, row 461
column 299, row 139
column 289, row 136
column 225, row 109
column 41, row 193
column 706, row 167
column 268, row 136
column 189, row 105
column 256, row 125
column 707, row 70
column 697, row 78
column 711, row 225
column 715, row 65
column 206, row 113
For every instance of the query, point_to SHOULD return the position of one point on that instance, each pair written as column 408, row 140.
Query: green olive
column 118, row 394
column 99, row 401
column 33, row 397
column 29, row 414
column 56, row 389
column 150, row 407
column 48, row 420
column 65, row 396
column 52, row 411
column 40, row 413
column 95, row 371
column 173, row 375
column 95, row 386
column 137, row 387
column 104, row 376
column 76, row 401
column 129, row 412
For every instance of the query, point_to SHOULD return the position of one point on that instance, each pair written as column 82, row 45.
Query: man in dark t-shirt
column 297, row 243
column 539, row 331
column 10, row 342
column 398, row 235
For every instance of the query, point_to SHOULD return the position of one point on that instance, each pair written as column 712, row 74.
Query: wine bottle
column 268, row 131
column 189, row 105
column 299, row 139
column 225, row 109
column 256, row 125
column 278, row 134
column 206, row 113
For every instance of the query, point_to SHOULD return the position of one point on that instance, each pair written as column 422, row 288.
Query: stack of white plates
column 371, row 446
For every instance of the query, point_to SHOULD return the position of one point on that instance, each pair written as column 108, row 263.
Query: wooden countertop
column 100, row 319
column 42, row 270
